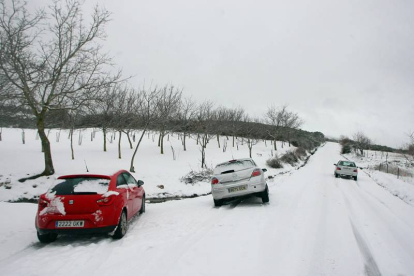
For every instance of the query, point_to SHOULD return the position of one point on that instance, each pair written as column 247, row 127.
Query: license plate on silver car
column 69, row 223
column 237, row 189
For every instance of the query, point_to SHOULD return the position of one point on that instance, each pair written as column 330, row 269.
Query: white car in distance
column 346, row 168
column 238, row 178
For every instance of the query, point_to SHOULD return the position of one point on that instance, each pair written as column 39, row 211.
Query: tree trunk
column 71, row 143
column 203, row 154
column 233, row 141
column 129, row 140
column 119, row 145
column 49, row 169
column 185, row 148
column 104, row 139
column 162, row 144
column 218, row 140
column 132, row 169
column 274, row 144
column 159, row 139
column 289, row 138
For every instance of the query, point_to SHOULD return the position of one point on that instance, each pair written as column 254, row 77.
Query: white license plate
column 238, row 188
column 69, row 223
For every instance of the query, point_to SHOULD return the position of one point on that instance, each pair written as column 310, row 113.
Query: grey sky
column 344, row 66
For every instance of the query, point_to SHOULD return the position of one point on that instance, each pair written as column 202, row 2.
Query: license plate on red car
column 69, row 223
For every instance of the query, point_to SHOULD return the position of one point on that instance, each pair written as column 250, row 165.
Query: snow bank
column 401, row 187
column 160, row 172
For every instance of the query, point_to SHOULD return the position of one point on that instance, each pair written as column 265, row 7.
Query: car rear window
column 80, row 185
column 347, row 164
column 233, row 166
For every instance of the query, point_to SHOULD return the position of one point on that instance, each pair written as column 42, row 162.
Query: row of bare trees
column 52, row 64
column 358, row 143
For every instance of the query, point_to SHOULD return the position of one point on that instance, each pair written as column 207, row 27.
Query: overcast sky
column 344, row 66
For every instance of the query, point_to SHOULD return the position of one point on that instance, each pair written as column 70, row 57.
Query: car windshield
column 80, row 185
column 233, row 166
column 347, row 164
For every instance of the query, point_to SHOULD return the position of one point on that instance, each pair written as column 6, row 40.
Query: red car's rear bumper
column 92, row 223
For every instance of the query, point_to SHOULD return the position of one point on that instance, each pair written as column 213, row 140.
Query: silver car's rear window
column 346, row 164
column 233, row 166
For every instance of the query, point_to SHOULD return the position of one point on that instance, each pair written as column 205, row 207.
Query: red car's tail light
column 43, row 203
column 106, row 200
column 256, row 172
column 214, row 181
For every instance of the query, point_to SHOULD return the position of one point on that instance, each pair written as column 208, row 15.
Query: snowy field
column 315, row 224
column 20, row 160
column 401, row 186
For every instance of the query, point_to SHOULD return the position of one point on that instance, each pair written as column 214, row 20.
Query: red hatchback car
column 89, row 203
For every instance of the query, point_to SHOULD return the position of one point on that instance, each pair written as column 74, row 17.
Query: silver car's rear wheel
column 265, row 195
column 218, row 202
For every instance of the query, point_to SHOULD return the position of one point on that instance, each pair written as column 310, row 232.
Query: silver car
column 346, row 168
column 238, row 178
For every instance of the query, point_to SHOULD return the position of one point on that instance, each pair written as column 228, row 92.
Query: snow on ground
column 21, row 160
column 315, row 224
column 402, row 186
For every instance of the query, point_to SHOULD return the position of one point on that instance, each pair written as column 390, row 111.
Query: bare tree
column 124, row 117
column 186, row 115
column 146, row 113
column 249, row 132
column 102, row 110
column 235, row 117
column 362, row 142
column 275, row 117
column 204, row 119
column 168, row 103
column 291, row 122
column 48, row 63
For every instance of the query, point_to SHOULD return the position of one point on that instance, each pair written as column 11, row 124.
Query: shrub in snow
column 300, row 152
column 290, row 158
column 274, row 163
column 295, row 143
column 197, row 176
column 346, row 149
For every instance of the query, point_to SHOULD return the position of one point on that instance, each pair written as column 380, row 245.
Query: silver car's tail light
column 256, row 172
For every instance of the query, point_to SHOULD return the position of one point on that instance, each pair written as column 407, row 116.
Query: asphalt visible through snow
column 315, row 224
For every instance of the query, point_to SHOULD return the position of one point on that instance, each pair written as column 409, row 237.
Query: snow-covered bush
column 197, row 176
column 300, row 152
column 274, row 163
column 290, row 158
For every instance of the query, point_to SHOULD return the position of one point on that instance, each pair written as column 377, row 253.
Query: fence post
column 398, row 173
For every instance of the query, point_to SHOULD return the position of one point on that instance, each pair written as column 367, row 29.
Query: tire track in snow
column 371, row 267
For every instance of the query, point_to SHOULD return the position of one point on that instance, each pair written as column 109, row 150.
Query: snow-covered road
column 314, row 224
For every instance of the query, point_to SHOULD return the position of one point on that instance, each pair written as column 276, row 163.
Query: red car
column 89, row 203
